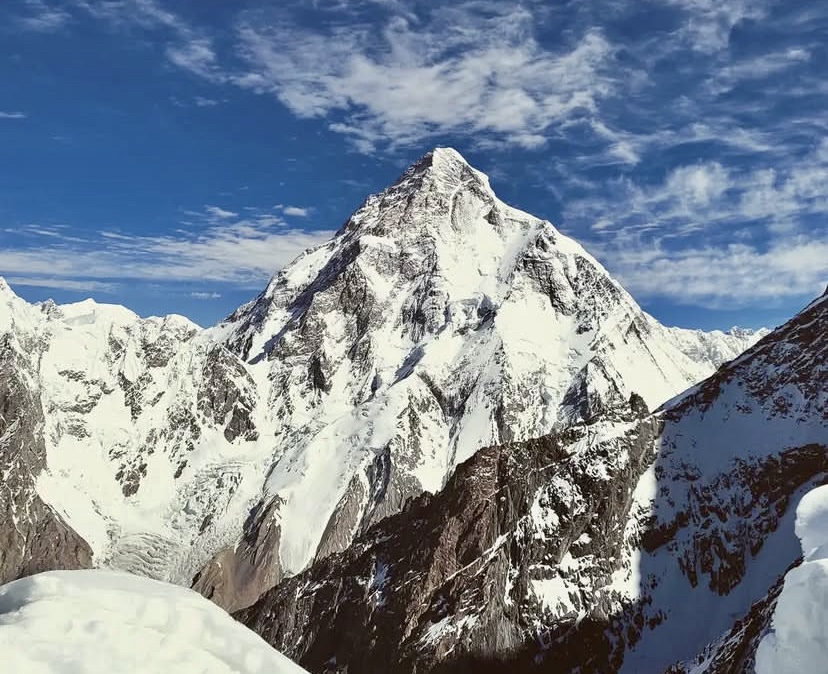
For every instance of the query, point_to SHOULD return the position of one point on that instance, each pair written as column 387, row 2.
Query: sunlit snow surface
column 798, row 641
column 86, row 622
column 438, row 321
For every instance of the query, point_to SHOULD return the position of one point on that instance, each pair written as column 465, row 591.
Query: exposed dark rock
column 443, row 585
column 455, row 582
column 134, row 392
column 238, row 575
column 227, row 395
column 735, row 652
column 339, row 530
column 33, row 538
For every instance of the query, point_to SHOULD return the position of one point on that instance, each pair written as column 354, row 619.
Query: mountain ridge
column 597, row 548
column 437, row 321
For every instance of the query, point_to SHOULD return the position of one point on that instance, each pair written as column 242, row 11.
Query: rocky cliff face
column 735, row 651
column 486, row 573
column 621, row 544
column 437, row 321
column 33, row 537
column 109, row 434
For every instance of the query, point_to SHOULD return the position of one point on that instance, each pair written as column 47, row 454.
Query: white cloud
column 756, row 68
column 708, row 23
column 197, row 56
column 220, row 213
column 296, row 211
column 713, row 235
column 43, row 17
column 12, row 115
column 708, row 195
column 204, row 102
column 690, row 198
column 477, row 69
column 731, row 276
column 695, row 187
column 239, row 251
column 144, row 13
column 457, row 70
column 626, row 147
column 76, row 285
column 622, row 146
column 190, row 48
column 201, row 295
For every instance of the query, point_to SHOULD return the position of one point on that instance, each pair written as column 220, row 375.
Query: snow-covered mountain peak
column 13, row 309
column 5, row 289
column 437, row 321
column 445, row 155
column 445, row 167
column 742, row 333
column 89, row 311
column 597, row 549
column 442, row 161
column 443, row 191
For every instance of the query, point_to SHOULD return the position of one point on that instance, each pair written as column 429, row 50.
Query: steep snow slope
column 737, row 452
column 146, row 433
column 437, row 321
column 798, row 641
column 509, row 562
column 92, row 622
column 784, row 631
column 33, row 537
column 623, row 544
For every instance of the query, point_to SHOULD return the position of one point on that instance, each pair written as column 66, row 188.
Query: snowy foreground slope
column 798, row 640
column 785, row 631
column 629, row 543
column 737, row 453
column 437, row 321
column 96, row 622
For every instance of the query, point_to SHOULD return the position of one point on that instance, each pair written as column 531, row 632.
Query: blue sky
column 171, row 155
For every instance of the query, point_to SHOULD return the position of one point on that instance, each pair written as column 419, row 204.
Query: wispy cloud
column 144, row 13
column 197, row 56
column 730, row 276
column 708, row 23
column 243, row 252
column 189, row 47
column 757, row 68
column 220, row 213
column 295, row 211
column 712, row 235
column 687, row 200
column 43, row 17
column 456, row 69
column 204, row 102
column 201, row 295
column 74, row 285
column 12, row 115
column 687, row 156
